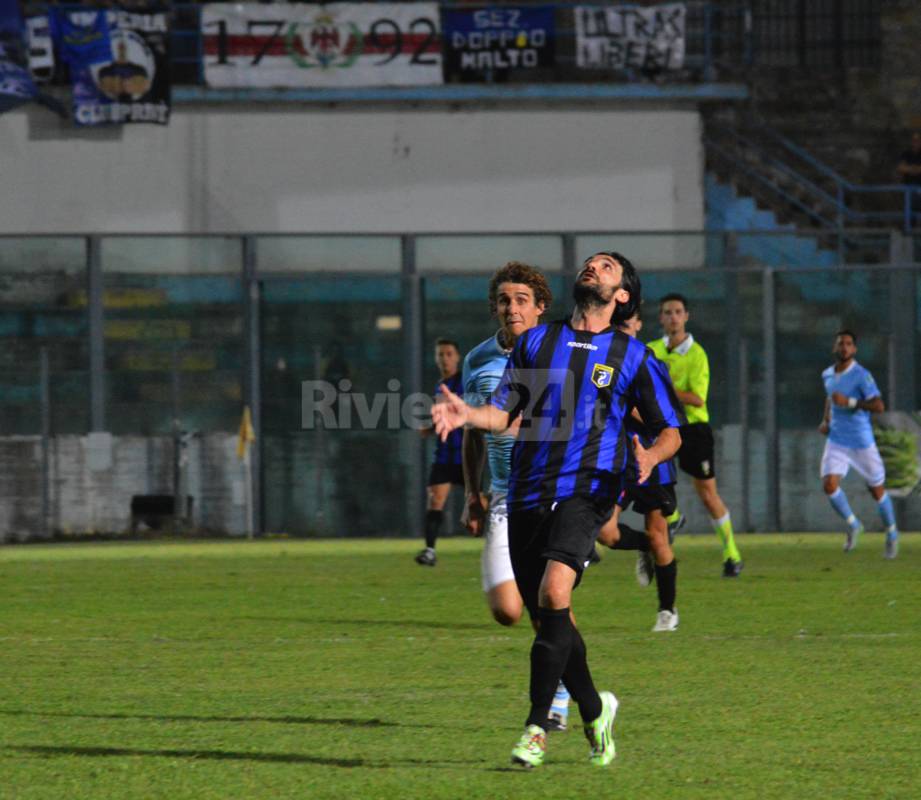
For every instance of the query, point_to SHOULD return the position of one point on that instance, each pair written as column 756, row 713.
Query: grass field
column 343, row 670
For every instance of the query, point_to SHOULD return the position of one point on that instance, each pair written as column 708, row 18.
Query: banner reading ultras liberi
column 649, row 39
column 305, row 45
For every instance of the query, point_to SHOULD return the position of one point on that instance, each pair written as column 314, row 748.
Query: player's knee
column 609, row 534
column 555, row 595
column 506, row 617
column 829, row 484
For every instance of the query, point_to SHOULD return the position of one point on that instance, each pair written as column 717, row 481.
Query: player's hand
column 839, row 399
column 449, row 413
column 823, row 428
column 512, row 430
column 474, row 516
column 645, row 461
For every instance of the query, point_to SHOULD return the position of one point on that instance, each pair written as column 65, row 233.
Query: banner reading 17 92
column 306, row 45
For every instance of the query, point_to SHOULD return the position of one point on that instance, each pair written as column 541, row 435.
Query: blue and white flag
column 16, row 85
column 83, row 37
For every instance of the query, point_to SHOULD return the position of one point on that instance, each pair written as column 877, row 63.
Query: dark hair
column 517, row 272
column 630, row 281
column 447, row 342
column 847, row 332
column 675, row 296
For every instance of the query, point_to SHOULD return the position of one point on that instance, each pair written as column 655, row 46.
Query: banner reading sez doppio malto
column 495, row 41
column 306, row 45
column 649, row 39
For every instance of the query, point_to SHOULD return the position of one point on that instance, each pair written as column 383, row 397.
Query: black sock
column 549, row 655
column 578, row 679
column 666, row 585
column 433, row 527
column 631, row 539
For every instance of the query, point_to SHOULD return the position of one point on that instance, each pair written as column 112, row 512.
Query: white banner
column 649, row 39
column 304, row 45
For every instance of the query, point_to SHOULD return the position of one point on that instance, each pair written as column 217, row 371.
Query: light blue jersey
column 850, row 427
column 483, row 367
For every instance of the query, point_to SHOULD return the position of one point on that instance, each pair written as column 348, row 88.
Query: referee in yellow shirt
column 690, row 372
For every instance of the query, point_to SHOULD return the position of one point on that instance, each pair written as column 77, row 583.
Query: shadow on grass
column 293, row 720
column 486, row 625
column 50, row 751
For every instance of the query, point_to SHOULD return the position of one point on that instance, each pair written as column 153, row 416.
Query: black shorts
column 654, row 497
column 565, row 533
column 446, row 473
column 695, row 457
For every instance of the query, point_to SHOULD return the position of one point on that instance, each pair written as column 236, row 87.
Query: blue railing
column 792, row 175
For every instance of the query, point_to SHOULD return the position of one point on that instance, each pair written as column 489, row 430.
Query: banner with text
column 488, row 43
column 649, row 39
column 305, row 45
column 118, row 64
column 16, row 84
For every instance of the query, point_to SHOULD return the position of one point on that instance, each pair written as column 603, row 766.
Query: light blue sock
column 887, row 514
column 839, row 502
column 560, row 704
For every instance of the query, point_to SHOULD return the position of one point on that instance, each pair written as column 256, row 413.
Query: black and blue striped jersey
column 449, row 451
column 665, row 473
column 574, row 390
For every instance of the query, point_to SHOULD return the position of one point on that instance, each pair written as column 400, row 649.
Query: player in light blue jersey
column 518, row 296
column 851, row 396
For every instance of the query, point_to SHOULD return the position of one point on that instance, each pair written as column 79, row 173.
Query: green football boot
column 600, row 734
column 529, row 752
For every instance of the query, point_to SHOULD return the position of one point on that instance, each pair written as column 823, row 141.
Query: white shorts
column 837, row 460
column 496, row 563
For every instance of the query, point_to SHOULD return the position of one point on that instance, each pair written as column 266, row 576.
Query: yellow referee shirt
column 690, row 371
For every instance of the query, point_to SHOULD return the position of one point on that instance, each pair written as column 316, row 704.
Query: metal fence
column 142, row 331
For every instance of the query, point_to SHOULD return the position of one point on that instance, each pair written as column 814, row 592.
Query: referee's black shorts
column 564, row 532
column 695, row 457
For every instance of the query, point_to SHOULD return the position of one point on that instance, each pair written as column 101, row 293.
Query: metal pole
column 733, row 340
column 903, row 346
column 570, row 257
column 178, row 512
column 744, row 410
column 45, row 393
column 772, row 477
column 413, row 334
column 892, row 387
column 252, row 378
column 96, row 323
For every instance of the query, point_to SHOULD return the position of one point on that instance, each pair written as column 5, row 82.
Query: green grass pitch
column 341, row 669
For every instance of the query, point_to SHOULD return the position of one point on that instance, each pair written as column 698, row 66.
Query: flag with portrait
column 118, row 63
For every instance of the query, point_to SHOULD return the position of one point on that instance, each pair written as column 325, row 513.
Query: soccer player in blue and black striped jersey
column 572, row 382
column 446, row 470
column 655, row 499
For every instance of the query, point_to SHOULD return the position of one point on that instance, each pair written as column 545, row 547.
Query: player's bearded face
column 845, row 348
column 590, row 290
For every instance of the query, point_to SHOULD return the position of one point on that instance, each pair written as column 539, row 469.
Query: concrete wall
column 308, row 170
column 92, row 484
column 803, row 506
column 93, row 479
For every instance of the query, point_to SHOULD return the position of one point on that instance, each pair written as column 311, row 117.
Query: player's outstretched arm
column 452, row 412
column 664, row 448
